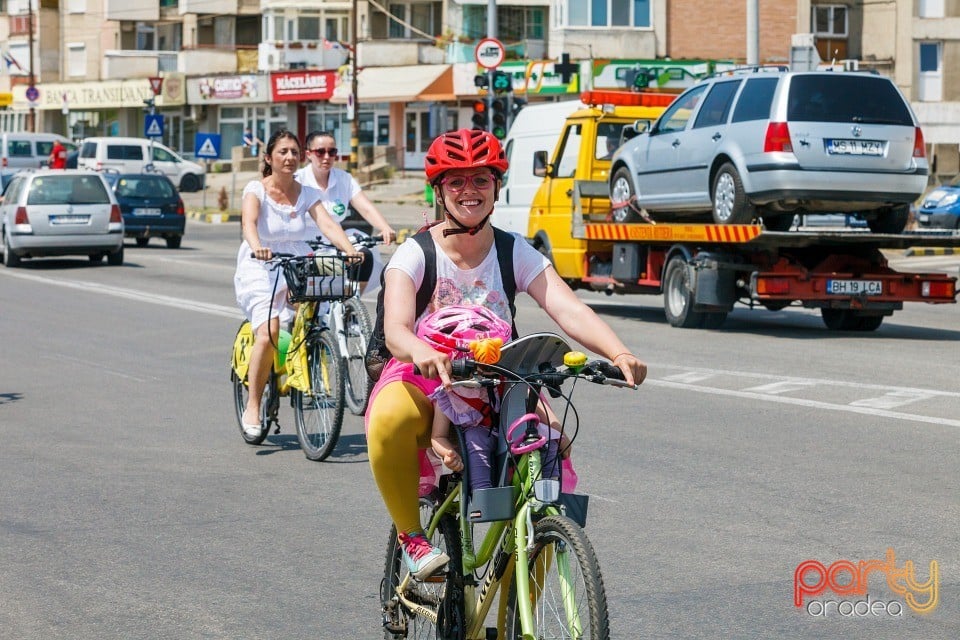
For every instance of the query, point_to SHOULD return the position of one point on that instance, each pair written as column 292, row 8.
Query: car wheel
column 96, row 257
column 10, row 259
column 173, row 242
column 142, row 242
column 189, row 183
column 115, row 259
column 890, row 219
column 621, row 190
column 730, row 204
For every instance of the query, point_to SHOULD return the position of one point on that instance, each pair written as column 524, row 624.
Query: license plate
column 148, row 211
column 855, row 287
column 65, row 219
column 855, row 147
column 924, row 217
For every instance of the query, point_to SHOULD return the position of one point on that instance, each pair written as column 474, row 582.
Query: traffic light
column 480, row 80
column 502, row 83
column 149, row 105
column 499, row 117
column 516, row 104
column 480, row 115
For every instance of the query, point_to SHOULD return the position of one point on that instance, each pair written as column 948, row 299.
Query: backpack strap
column 425, row 292
column 504, row 243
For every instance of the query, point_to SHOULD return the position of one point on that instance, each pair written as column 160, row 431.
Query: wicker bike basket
column 322, row 278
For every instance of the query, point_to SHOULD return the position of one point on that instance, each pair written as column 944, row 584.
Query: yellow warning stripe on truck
column 672, row 232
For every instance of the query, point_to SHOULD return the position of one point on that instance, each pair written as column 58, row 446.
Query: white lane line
column 815, row 404
column 133, row 294
column 885, row 388
column 893, row 399
column 783, row 386
column 689, row 377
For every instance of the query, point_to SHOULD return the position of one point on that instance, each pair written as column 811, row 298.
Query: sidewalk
column 401, row 200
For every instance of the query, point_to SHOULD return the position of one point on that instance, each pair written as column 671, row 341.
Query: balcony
column 124, row 64
column 216, row 7
column 121, row 64
column 523, row 50
column 125, row 10
column 389, row 53
column 301, row 54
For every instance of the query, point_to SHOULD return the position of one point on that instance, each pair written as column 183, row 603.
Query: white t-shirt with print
column 341, row 189
column 481, row 285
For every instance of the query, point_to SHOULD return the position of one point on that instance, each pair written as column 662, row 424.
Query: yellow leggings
column 399, row 423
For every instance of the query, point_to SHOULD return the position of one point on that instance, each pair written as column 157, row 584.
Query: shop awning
column 400, row 84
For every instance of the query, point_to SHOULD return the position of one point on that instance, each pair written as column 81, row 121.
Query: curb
column 932, row 251
column 213, row 218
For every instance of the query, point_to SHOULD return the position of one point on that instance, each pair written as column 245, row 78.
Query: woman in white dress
column 273, row 213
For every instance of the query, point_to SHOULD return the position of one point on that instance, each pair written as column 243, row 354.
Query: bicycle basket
column 323, row 278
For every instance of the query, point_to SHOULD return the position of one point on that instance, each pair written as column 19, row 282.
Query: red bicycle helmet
column 450, row 330
column 464, row 149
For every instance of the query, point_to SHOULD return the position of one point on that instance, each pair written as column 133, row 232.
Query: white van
column 132, row 155
column 29, row 150
column 536, row 128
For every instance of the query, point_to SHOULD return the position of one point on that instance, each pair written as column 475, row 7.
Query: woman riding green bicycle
column 465, row 168
column 272, row 220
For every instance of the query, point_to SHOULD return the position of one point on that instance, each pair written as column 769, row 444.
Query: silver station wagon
column 56, row 212
column 771, row 144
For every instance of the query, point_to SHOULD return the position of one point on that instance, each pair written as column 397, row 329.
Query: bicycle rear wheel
column 240, row 394
column 319, row 413
column 439, row 593
column 565, row 585
column 356, row 328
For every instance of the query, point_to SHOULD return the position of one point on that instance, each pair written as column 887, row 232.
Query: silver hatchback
column 772, row 144
column 60, row 212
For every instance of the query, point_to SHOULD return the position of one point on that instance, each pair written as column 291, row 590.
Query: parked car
column 772, row 144
column 150, row 205
column 940, row 209
column 57, row 212
column 134, row 155
column 29, row 150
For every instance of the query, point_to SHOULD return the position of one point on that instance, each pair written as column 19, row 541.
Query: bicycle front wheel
column 357, row 329
column 566, row 587
column 318, row 413
column 439, row 596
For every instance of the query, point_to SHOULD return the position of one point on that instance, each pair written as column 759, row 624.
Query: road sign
column 153, row 126
column 489, row 53
column 156, row 85
column 207, row 145
column 33, row 94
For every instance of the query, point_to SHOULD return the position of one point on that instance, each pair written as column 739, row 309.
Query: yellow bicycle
column 307, row 364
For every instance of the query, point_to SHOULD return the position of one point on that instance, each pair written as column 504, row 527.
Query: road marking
column 893, row 399
column 690, row 377
column 783, row 386
column 133, row 294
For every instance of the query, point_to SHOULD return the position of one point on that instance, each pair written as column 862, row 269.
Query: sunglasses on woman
column 480, row 181
column 324, row 152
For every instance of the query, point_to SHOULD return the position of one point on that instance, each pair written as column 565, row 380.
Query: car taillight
column 115, row 213
column 180, row 209
column 778, row 138
column 21, row 216
column 919, row 148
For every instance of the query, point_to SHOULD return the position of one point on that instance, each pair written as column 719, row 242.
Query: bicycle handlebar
column 470, row 373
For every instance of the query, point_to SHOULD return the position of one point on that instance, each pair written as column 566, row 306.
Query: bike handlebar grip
column 462, row 368
column 607, row 370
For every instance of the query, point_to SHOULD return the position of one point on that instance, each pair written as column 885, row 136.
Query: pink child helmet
column 450, row 330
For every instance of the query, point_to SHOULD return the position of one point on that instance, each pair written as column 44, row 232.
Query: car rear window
column 67, row 190
column 755, row 100
column 846, row 98
column 146, row 187
column 124, row 152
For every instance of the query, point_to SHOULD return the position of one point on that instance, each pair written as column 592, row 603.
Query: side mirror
column 640, row 126
column 540, row 167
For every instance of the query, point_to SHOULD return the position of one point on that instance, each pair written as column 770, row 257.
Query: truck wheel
column 890, row 219
column 839, row 319
column 621, row 190
column 730, row 204
column 678, row 296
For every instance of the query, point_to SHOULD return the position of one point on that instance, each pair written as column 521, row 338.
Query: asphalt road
column 131, row 508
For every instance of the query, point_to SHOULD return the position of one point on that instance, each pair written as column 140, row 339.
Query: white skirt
column 262, row 292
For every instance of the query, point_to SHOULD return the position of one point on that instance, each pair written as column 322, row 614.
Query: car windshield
column 67, row 190
column 143, row 187
column 846, row 98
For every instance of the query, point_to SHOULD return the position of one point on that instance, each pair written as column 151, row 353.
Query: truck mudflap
column 845, row 282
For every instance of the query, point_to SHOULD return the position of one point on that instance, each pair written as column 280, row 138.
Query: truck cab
column 577, row 172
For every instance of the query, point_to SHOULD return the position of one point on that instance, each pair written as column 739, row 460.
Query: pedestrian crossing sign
column 153, row 126
column 207, row 145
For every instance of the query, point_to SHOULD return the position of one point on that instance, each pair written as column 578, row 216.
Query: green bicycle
column 534, row 547
column 307, row 363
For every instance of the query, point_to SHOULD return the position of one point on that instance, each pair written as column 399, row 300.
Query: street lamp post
column 355, row 123
column 32, row 126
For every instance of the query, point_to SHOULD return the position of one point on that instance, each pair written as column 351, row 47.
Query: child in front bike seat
column 470, row 330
